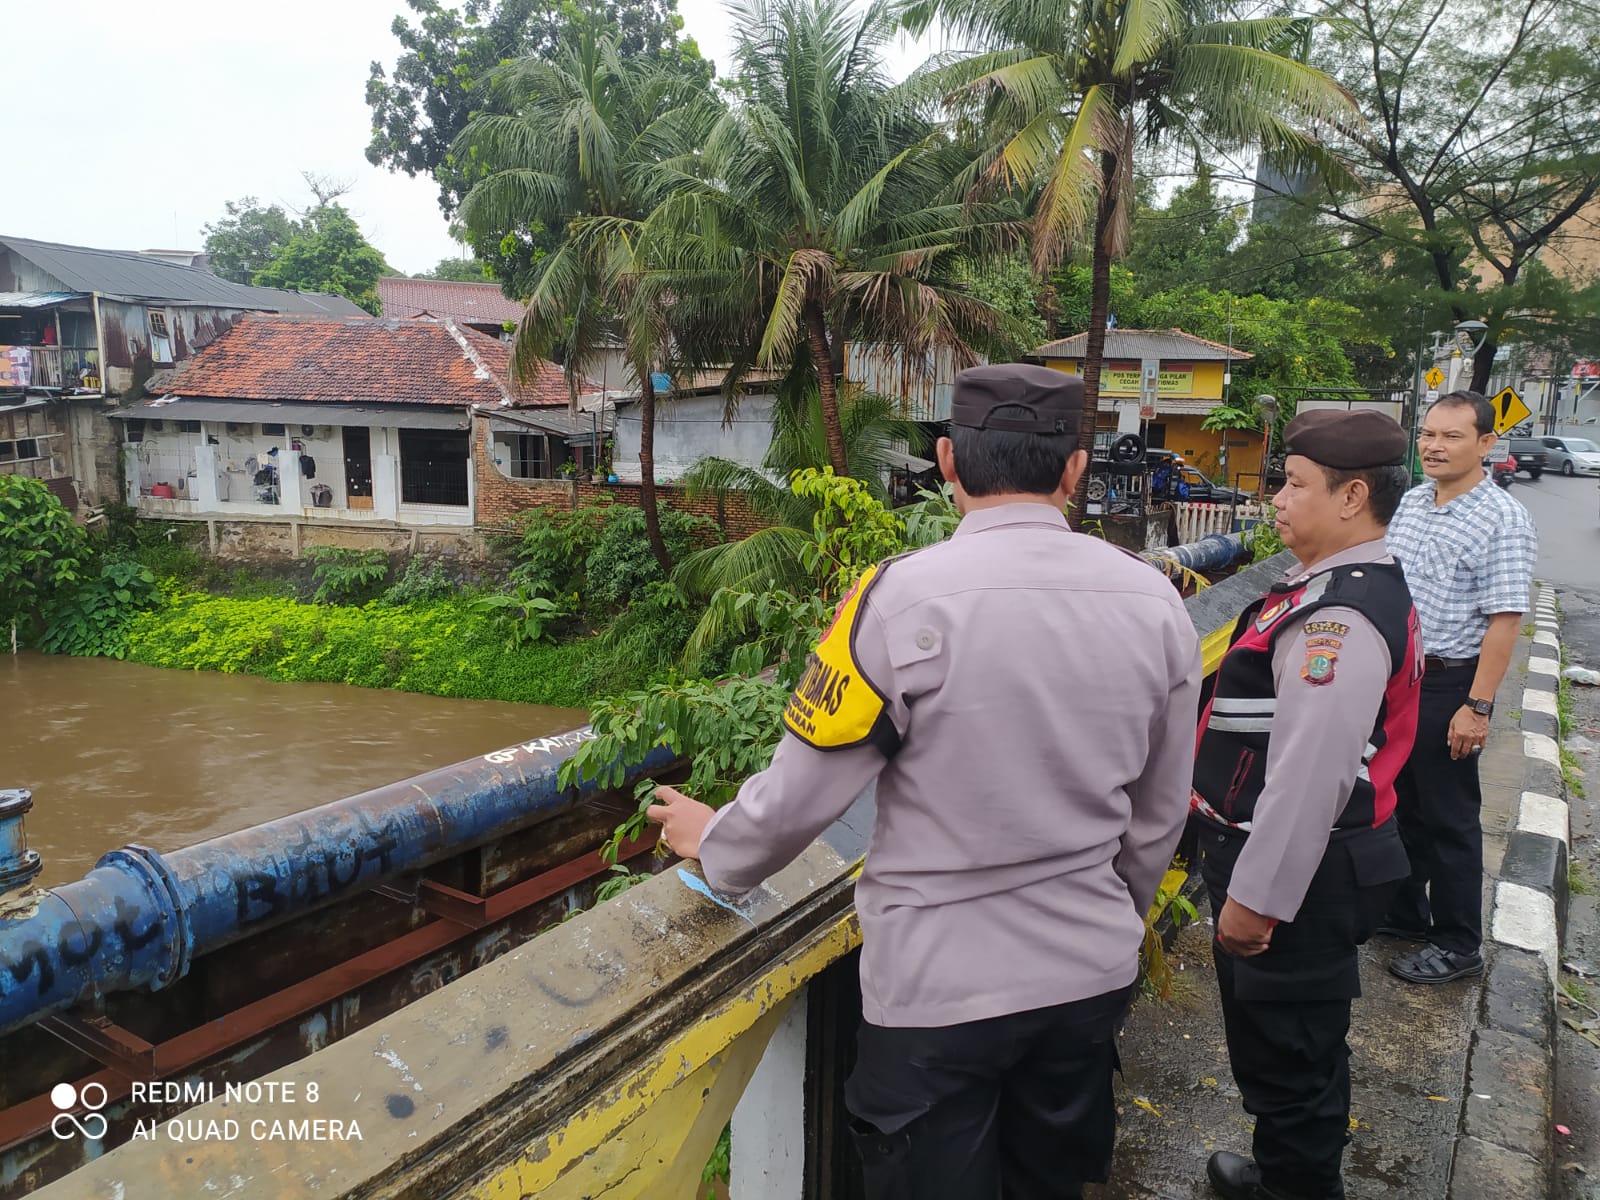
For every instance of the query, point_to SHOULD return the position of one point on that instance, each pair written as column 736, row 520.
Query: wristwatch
column 1484, row 708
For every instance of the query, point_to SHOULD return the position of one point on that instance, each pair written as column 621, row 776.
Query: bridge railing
column 604, row 1056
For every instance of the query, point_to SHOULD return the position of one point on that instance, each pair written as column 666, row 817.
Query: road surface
column 1569, row 559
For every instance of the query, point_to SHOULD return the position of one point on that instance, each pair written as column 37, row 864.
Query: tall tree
column 1186, row 241
column 328, row 254
column 1482, row 152
column 824, row 203
column 579, row 146
column 1063, row 91
column 244, row 242
column 438, row 81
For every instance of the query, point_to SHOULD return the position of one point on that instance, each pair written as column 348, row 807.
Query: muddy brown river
column 115, row 752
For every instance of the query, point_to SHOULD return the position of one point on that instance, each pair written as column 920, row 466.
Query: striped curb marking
column 1524, row 912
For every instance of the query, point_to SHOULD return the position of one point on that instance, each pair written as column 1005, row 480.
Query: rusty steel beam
column 105, row 1042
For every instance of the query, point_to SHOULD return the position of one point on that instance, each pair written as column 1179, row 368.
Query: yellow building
column 1193, row 374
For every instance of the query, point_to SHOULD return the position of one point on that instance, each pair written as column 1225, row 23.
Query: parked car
column 1530, row 455
column 1572, row 455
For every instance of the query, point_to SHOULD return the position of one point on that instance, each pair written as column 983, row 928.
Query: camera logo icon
column 66, row 1124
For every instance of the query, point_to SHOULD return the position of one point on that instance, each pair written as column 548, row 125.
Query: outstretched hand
column 683, row 820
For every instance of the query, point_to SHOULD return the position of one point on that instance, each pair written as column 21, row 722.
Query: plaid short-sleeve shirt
column 1464, row 562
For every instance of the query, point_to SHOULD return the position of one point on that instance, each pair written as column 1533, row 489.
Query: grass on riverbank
column 438, row 649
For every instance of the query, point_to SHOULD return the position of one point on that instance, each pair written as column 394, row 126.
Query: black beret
column 1347, row 440
column 1017, row 397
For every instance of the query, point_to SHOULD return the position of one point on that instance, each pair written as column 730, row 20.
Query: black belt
column 1433, row 662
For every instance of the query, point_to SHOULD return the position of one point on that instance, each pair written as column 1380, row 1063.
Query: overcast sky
column 139, row 121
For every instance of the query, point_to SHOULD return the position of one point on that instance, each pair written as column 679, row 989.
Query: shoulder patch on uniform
column 1319, row 665
column 1269, row 615
column 835, row 705
column 1335, row 628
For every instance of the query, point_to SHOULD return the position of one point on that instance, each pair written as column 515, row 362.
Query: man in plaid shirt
column 1468, row 551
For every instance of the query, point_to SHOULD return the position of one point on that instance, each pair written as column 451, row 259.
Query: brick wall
column 501, row 499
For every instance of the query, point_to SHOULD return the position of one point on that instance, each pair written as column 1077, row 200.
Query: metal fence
column 1196, row 520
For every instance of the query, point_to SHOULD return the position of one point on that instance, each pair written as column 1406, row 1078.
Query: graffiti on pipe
column 546, row 745
column 320, row 868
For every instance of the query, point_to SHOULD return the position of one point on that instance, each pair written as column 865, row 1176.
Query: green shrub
column 643, row 642
column 346, row 576
column 44, row 556
column 622, row 563
column 553, row 550
column 94, row 619
column 521, row 617
column 420, row 583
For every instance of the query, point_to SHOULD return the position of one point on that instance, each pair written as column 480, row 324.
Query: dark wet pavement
column 1178, row 1102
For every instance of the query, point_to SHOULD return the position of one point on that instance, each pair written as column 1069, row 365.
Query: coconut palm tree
column 824, row 203
column 1061, row 93
column 578, row 143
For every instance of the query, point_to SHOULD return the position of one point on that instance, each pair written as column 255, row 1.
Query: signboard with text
column 1177, row 379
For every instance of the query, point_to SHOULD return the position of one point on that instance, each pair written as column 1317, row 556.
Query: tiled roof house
column 482, row 306
column 335, row 419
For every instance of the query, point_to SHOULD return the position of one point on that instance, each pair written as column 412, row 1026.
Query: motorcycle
column 1504, row 472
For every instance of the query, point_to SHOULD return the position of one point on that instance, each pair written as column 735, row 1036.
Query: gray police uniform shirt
column 1319, row 738
column 1043, row 686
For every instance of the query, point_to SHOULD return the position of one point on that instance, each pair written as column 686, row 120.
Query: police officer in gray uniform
column 1024, row 698
column 1311, row 717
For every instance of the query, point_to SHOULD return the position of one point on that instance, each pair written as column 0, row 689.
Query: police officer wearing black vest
column 1310, row 718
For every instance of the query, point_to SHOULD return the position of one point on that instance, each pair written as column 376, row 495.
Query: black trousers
column 1286, row 1011
column 1438, row 802
column 1017, row 1107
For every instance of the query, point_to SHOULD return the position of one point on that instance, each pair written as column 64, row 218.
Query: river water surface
column 115, row 752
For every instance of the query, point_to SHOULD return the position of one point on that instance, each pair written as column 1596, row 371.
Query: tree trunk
column 1095, row 346
column 1483, row 366
column 827, row 388
column 647, row 470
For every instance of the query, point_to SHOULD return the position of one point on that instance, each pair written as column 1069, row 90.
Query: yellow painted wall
column 1201, row 447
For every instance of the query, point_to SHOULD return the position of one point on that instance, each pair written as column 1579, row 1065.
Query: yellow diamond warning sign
column 1434, row 377
column 1509, row 410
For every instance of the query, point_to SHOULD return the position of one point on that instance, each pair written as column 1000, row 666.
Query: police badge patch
column 1320, row 661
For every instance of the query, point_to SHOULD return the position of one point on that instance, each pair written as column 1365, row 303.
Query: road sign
column 1434, row 378
column 1501, row 451
column 1149, row 388
column 1509, row 410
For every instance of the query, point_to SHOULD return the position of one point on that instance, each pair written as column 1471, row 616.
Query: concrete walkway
column 1410, row 1047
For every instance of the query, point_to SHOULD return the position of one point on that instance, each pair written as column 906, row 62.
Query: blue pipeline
column 140, row 918
column 1210, row 553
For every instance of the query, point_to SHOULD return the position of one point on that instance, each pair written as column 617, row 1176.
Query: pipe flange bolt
column 18, row 864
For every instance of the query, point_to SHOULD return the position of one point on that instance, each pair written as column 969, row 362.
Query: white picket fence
column 1196, row 520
